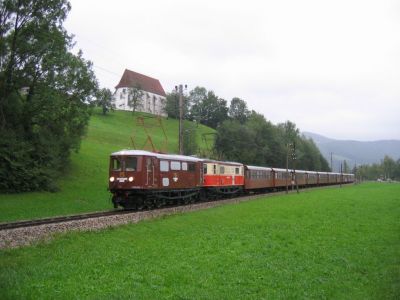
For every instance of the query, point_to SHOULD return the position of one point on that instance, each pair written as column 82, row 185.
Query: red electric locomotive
column 141, row 179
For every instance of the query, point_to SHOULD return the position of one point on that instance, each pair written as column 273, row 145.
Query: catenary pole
column 179, row 89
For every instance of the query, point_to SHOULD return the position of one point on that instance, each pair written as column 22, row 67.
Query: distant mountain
column 354, row 152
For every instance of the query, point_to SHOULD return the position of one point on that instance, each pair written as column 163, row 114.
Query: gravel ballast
column 18, row 237
column 13, row 238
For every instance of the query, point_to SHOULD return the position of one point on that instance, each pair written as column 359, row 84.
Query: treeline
column 44, row 94
column 244, row 135
column 387, row 169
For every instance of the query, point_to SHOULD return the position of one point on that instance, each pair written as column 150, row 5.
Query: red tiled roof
column 145, row 83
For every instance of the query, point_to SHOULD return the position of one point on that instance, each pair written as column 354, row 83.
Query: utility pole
column 180, row 91
column 294, row 166
column 355, row 172
column 287, row 167
column 331, row 163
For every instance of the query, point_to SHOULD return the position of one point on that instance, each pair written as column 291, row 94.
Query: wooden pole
column 294, row 167
column 179, row 89
column 287, row 167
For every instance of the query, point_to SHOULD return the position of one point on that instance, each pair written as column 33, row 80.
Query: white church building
column 153, row 100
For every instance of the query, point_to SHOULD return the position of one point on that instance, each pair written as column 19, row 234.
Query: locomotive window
column 191, row 167
column 221, row 170
column 214, row 169
column 237, row 171
column 175, row 165
column 130, row 164
column 164, row 166
column 205, row 169
column 115, row 164
column 184, row 166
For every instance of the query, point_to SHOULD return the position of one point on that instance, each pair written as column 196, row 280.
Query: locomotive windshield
column 124, row 164
column 130, row 163
column 115, row 164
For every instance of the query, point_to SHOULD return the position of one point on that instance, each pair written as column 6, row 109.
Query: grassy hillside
column 326, row 244
column 83, row 187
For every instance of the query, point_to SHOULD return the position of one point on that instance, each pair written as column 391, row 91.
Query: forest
column 245, row 135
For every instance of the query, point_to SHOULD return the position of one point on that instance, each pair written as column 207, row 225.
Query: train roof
column 282, row 170
column 258, row 168
column 158, row 155
column 301, row 171
column 293, row 170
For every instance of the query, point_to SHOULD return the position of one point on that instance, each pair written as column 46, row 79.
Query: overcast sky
column 332, row 67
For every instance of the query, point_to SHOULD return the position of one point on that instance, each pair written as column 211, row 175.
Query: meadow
column 83, row 187
column 335, row 243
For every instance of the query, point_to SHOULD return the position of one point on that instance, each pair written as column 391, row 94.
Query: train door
column 150, row 163
column 203, row 171
column 273, row 174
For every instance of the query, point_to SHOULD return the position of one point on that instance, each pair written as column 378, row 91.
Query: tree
column 259, row 142
column 346, row 168
column 289, row 132
column 44, row 94
column 135, row 98
column 172, row 106
column 104, row 100
column 388, row 166
column 309, row 155
column 207, row 108
column 271, row 150
column 238, row 110
column 236, row 142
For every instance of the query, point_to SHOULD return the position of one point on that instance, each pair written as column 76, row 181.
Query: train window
column 164, row 166
column 237, row 171
column 214, row 169
column 130, row 163
column 191, row 167
column 221, row 170
column 184, row 166
column 205, row 169
column 115, row 164
column 175, row 165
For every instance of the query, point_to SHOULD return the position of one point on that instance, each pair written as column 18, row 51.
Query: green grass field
column 335, row 243
column 84, row 186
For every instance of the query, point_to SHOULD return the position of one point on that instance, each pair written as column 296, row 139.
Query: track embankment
column 17, row 234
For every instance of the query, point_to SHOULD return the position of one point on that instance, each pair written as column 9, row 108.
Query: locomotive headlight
column 112, row 179
column 130, row 179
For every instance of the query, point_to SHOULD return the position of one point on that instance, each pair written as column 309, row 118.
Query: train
column 140, row 179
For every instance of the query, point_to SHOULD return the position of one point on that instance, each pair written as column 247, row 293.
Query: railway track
column 54, row 220
column 61, row 219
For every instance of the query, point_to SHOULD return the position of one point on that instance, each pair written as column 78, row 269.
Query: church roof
column 145, row 83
